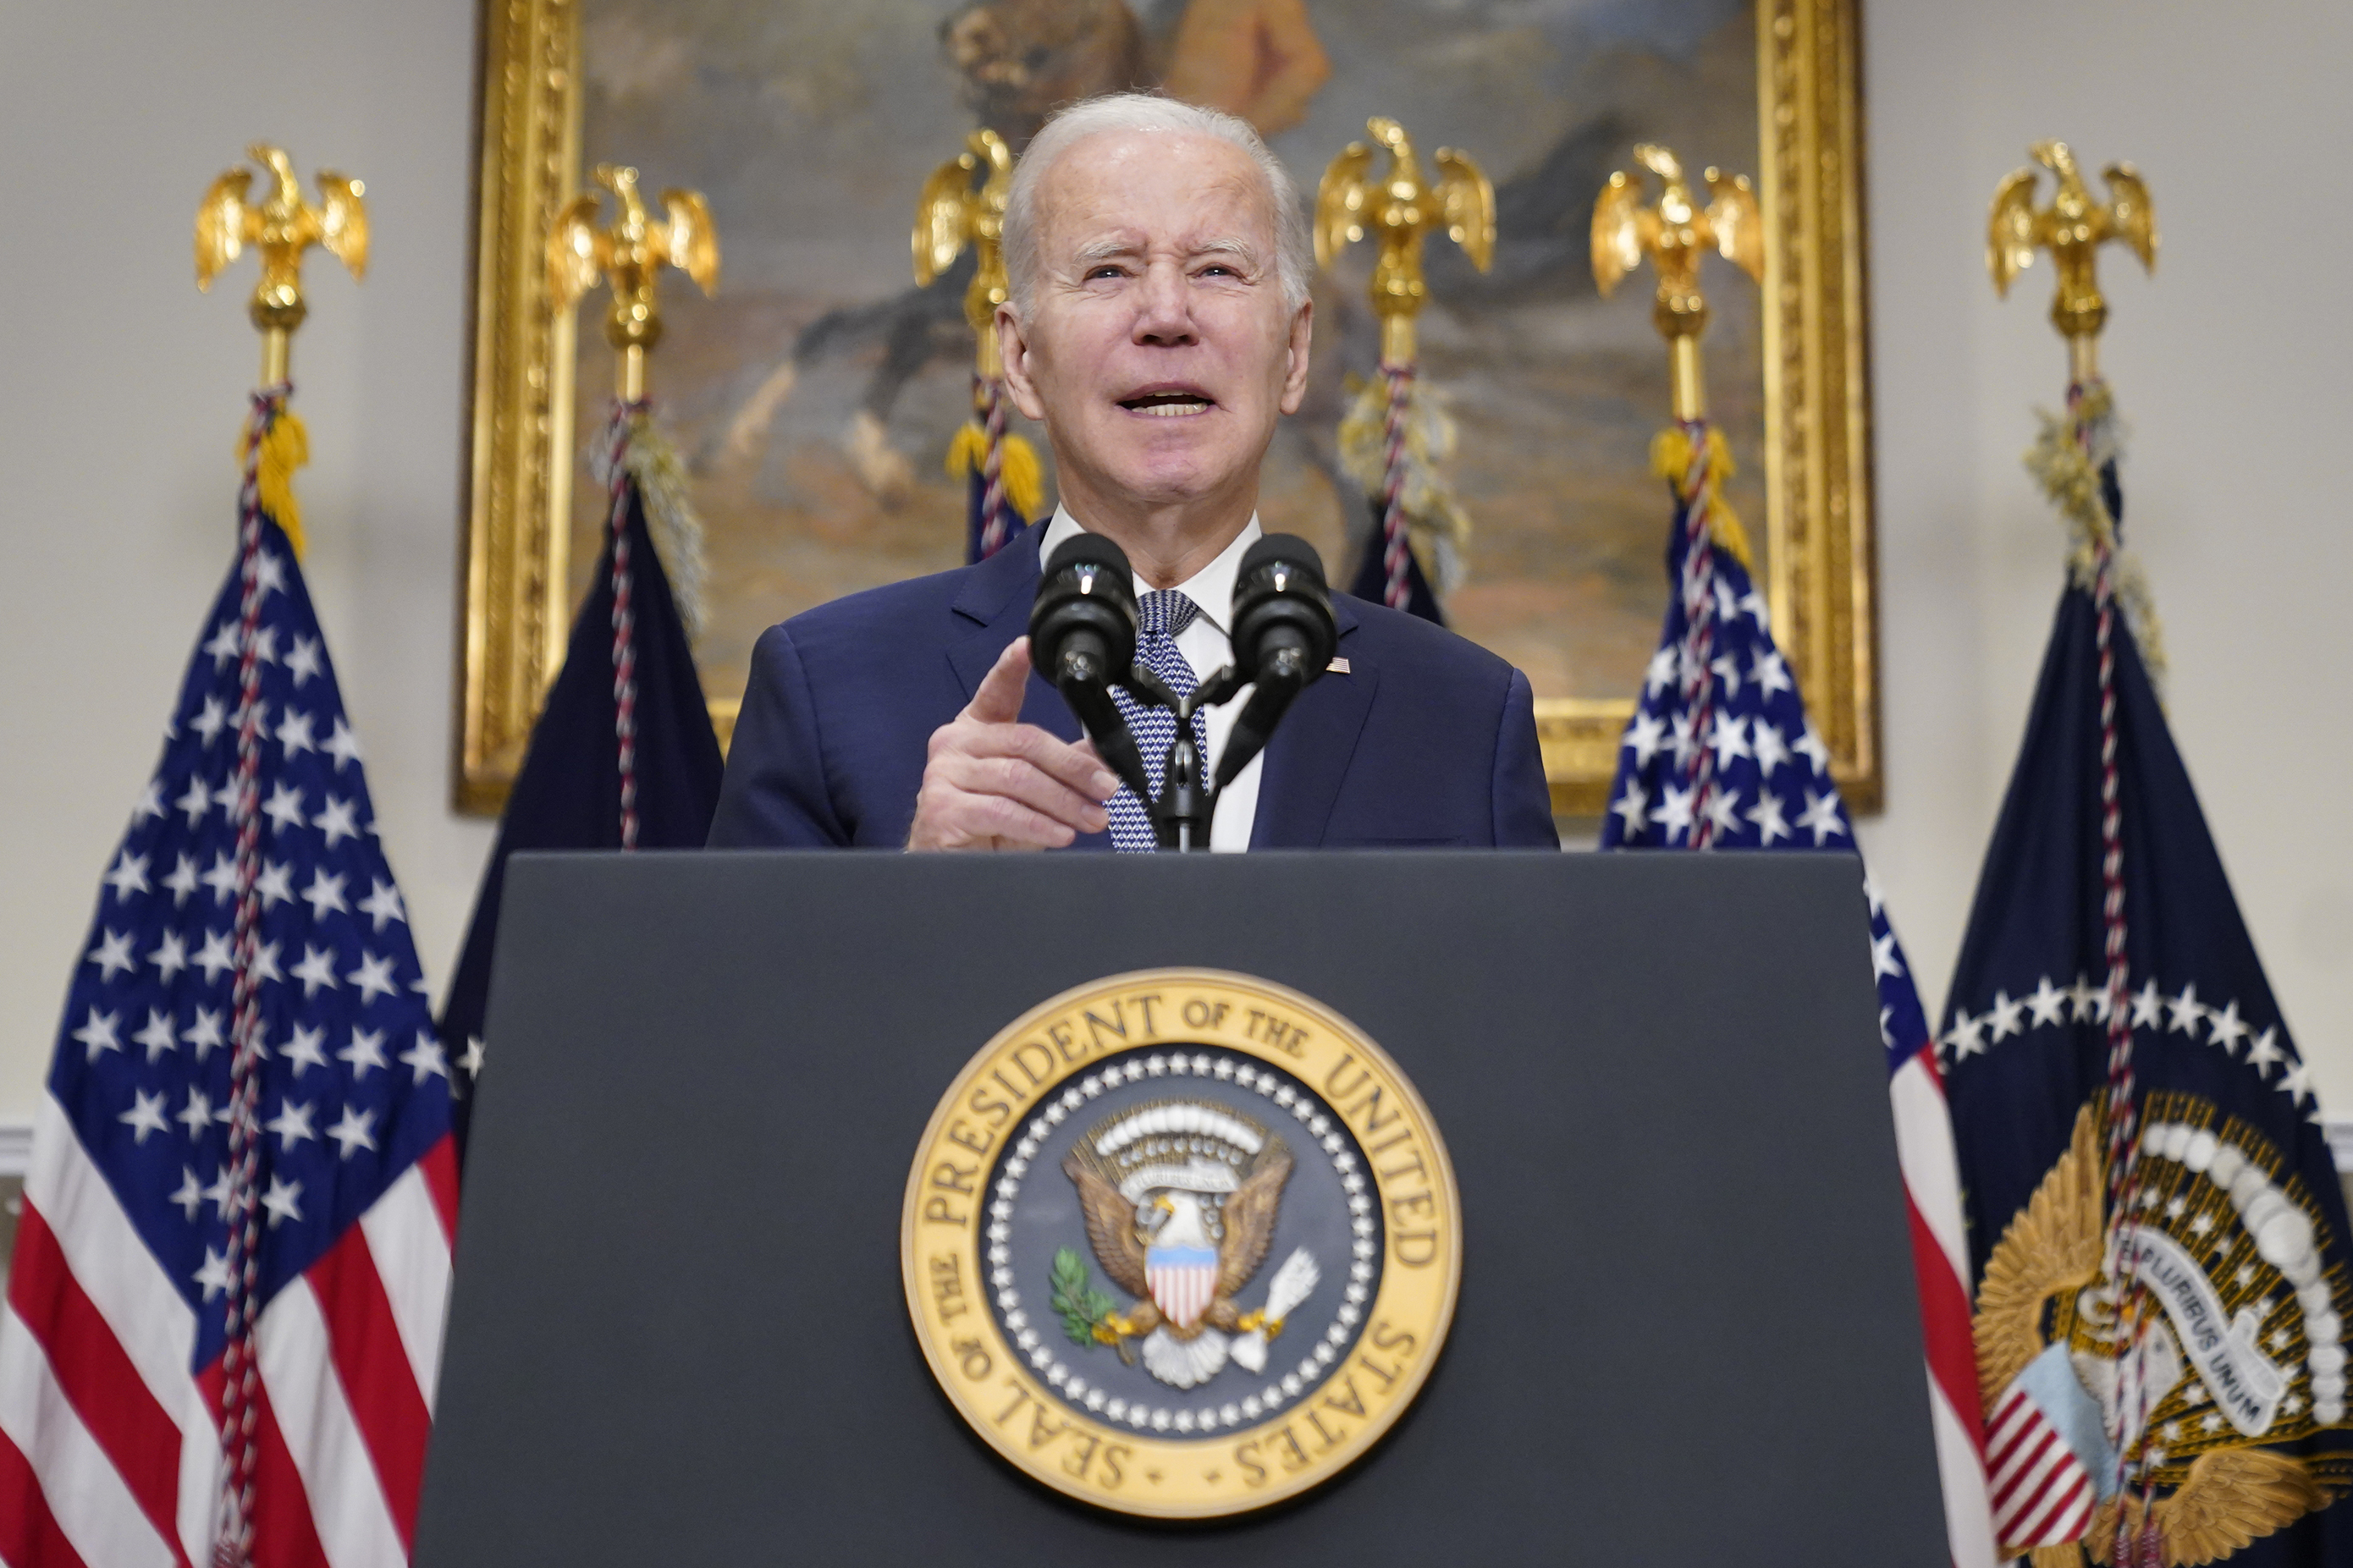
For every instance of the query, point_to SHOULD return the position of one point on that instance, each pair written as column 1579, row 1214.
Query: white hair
column 1151, row 112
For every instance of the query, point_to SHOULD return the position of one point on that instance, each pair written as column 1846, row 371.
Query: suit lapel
column 997, row 597
column 1309, row 755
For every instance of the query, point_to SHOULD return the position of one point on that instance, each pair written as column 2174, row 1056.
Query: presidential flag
column 1720, row 755
column 223, row 1323
column 624, row 755
column 2156, row 1230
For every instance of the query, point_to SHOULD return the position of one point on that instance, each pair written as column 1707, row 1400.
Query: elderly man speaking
column 1158, row 328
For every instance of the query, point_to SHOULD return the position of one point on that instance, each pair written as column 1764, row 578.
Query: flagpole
column 2072, row 228
column 1719, row 751
column 1401, row 210
column 628, row 257
column 260, row 709
column 953, row 214
column 279, row 228
column 1672, row 235
column 2250, row 1222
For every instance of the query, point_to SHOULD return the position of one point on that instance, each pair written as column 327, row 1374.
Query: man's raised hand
column 994, row 782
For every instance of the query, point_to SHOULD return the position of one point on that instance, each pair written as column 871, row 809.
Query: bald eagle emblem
column 2238, row 1364
column 1180, row 1199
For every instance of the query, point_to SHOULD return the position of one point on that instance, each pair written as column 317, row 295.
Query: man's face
column 1157, row 348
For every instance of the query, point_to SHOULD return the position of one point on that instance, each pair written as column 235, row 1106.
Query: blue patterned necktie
column 1159, row 618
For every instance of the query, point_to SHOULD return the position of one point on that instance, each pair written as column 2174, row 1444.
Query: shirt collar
column 1211, row 588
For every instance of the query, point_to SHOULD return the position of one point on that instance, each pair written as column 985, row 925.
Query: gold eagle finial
column 953, row 212
column 282, row 228
column 2073, row 229
column 1672, row 235
column 1402, row 209
column 628, row 257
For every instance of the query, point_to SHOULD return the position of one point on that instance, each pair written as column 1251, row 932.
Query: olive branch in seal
column 1081, row 1306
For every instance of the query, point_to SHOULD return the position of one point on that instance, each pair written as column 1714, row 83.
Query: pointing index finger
column 998, row 700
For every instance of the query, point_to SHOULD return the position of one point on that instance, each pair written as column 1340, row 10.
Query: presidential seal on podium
column 1181, row 1243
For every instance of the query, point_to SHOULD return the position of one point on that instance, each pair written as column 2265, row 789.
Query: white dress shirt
column 1206, row 647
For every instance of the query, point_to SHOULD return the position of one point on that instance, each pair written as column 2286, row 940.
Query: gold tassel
column 1671, row 460
column 1438, row 529
column 1024, row 476
column 2071, row 477
column 670, row 519
column 967, row 450
column 285, row 448
column 1018, row 466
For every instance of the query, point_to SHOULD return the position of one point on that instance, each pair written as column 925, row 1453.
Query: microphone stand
column 1187, row 802
column 1083, row 627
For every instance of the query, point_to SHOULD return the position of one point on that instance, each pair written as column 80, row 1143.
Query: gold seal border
column 1298, row 1446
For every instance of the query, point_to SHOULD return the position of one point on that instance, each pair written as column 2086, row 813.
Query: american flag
column 1720, row 755
column 126, row 1280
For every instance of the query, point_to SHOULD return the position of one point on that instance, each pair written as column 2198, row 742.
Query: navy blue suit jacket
column 1427, row 741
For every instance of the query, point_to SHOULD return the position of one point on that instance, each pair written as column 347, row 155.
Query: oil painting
column 814, row 397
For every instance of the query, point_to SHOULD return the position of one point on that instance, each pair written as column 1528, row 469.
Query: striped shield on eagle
column 1184, row 1279
column 1180, row 1198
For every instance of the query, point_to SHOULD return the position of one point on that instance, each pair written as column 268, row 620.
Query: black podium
column 1686, row 1332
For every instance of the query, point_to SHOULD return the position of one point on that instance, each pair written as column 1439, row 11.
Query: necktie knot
column 1164, row 612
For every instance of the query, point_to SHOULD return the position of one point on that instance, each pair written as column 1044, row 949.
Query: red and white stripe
column 2043, row 1496
column 1182, row 1291
column 109, row 1450
column 1940, row 1263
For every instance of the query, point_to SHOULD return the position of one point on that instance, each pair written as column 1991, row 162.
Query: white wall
column 118, row 424
column 2231, row 367
column 116, row 482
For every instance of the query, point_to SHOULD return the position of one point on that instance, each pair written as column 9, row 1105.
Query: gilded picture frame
column 517, row 591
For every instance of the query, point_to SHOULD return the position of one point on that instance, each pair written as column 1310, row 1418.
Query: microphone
column 1283, row 639
column 1082, row 640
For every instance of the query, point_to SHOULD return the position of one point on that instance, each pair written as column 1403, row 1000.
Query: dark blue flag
column 2227, row 1405
column 570, row 793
